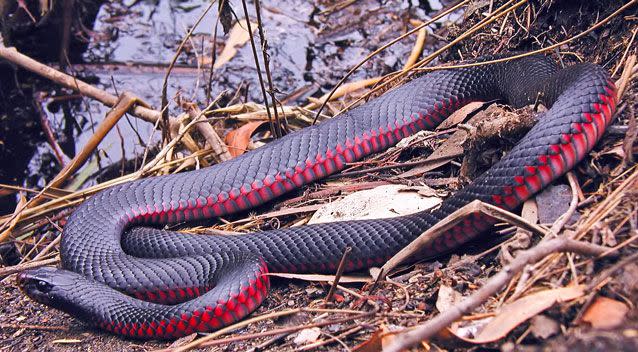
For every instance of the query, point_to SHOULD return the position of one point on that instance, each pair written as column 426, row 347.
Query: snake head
column 46, row 285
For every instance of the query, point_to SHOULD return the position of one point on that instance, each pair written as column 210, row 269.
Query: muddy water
column 311, row 47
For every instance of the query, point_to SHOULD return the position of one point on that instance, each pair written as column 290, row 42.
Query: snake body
column 131, row 279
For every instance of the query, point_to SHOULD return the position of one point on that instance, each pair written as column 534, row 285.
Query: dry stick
column 563, row 219
column 264, row 47
column 624, row 55
column 625, row 78
column 492, row 286
column 12, row 55
column 48, row 248
column 340, row 269
column 599, row 213
column 220, row 150
column 166, row 135
column 554, row 230
column 123, row 105
column 30, row 265
column 385, row 46
column 162, row 154
column 284, row 330
column 35, row 327
column 452, row 220
column 206, row 339
column 273, row 129
column 279, row 331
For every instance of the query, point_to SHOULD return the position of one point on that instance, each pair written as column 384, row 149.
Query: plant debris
column 572, row 283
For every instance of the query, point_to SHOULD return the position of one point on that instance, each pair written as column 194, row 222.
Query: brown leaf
column 460, row 115
column 380, row 339
column 517, row 312
column 605, row 313
column 238, row 140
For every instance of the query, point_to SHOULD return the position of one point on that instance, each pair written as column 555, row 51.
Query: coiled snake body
column 201, row 283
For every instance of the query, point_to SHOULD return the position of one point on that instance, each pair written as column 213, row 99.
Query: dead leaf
column 307, row 336
column 460, row 115
column 605, row 313
column 380, row 339
column 238, row 37
column 447, row 298
column 517, row 312
column 380, row 202
column 450, row 149
column 238, row 140
column 321, row 277
column 542, row 327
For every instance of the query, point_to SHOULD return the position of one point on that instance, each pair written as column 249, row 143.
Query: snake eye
column 44, row 286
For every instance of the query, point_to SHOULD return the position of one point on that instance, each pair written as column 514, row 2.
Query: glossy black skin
column 103, row 239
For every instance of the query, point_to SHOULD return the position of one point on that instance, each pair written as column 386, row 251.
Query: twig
column 264, row 54
column 492, row 286
column 35, row 327
column 12, row 55
column 166, row 131
column 563, row 219
column 48, row 131
column 271, row 123
column 340, row 269
column 285, row 330
column 30, row 265
column 624, row 54
column 220, row 150
column 418, row 47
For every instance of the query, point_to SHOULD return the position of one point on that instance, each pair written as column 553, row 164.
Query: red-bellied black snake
column 110, row 254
